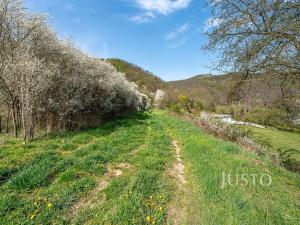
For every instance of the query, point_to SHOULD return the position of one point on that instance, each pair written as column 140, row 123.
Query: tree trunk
column 0, row 124
column 28, row 123
column 7, row 120
column 14, row 120
column 284, row 99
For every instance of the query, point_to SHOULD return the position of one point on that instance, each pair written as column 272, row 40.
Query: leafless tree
column 257, row 37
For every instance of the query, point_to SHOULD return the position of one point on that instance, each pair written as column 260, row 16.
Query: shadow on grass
column 289, row 159
column 107, row 128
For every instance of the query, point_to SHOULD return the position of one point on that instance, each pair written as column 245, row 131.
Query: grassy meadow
column 121, row 173
column 277, row 139
column 277, row 142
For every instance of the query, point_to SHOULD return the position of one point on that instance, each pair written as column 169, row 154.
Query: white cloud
column 164, row 7
column 153, row 8
column 179, row 35
column 143, row 18
column 211, row 23
column 178, row 31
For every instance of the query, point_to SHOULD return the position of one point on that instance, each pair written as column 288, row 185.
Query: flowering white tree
column 46, row 82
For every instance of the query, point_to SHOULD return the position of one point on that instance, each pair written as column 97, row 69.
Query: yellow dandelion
column 161, row 209
column 50, row 205
column 148, row 218
column 153, row 222
column 32, row 216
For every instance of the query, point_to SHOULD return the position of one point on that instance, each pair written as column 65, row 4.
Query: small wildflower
column 161, row 209
column 153, row 222
column 148, row 218
column 50, row 205
column 35, row 203
column 32, row 216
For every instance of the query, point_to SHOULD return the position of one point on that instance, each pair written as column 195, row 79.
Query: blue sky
column 162, row 36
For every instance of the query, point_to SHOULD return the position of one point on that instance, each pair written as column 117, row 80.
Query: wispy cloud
column 182, row 41
column 143, row 18
column 211, row 23
column 152, row 8
column 177, row 31
column 179, row 35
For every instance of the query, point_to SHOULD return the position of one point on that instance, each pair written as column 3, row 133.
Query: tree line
column 48, row 84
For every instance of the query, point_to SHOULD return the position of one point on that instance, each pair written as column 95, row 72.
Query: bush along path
column 147, row 168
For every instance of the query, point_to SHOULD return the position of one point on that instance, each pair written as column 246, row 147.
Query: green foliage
column 176, row 108
column 184, row 104
column 183, row 99
column 261, row 115
column 268, row 116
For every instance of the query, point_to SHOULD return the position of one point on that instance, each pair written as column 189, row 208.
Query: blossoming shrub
column 48, row 83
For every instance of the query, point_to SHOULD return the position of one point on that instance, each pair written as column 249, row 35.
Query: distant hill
column 202, row 88
column 258, row 90
column 146, row 80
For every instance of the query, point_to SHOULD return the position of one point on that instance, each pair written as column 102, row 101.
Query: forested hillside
column 259, row 98
column 146, row 80
column 259, row 90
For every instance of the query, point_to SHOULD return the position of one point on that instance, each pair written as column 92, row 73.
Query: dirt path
column 113, row 171
column 178, row 167
column 177, row 207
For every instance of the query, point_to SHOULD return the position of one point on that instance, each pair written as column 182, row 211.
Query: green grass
column 42, row 181
column 208, row 157
column 282, row 143
column 277, row 139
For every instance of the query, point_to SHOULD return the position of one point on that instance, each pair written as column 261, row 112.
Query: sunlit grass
column 43, row 180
